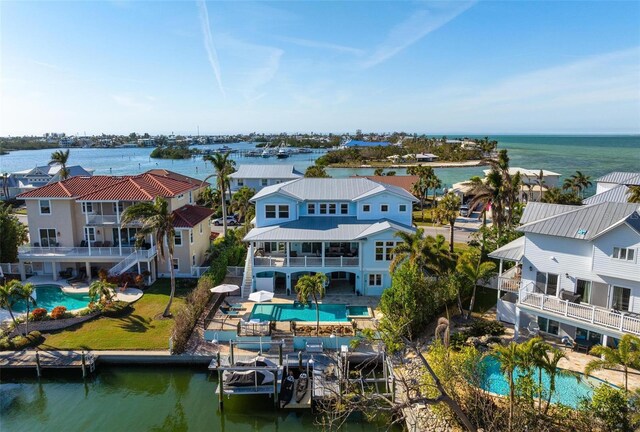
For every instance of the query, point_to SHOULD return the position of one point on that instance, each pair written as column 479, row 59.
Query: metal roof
column 267, row 172
column 617, row 193
column 513, row 251
column 535, row 211
column 586, row 222
column 619, row 177
column 324, row 229
column 319, row 189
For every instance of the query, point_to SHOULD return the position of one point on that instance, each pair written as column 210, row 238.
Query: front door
column 48, row 237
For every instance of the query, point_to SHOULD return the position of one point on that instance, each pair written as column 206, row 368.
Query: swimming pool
column 569, row 390
column 50, row 296
column 298, row 312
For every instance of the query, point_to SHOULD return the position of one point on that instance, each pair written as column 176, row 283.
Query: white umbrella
column 261, row 296
column 225, row 288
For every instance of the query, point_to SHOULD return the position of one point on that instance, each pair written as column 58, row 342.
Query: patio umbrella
column 261, row 296
column 225, row 288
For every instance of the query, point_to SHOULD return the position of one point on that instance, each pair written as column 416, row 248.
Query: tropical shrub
column 38, row 314
column 610, row 407
column 481, row 328
column 58, row 312
column 186, row 319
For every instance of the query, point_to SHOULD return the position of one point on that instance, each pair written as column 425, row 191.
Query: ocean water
column 593, row 155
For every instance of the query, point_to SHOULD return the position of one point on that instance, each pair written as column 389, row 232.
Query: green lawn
column 139, row 330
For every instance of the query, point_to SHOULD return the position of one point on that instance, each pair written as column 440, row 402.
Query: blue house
column 343, row 228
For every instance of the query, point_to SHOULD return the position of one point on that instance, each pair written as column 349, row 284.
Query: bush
column 5, row 344
column 481, row 328
column 38, row 314
column 187, row 318
column 610, row 407
column 58, row 312
column 19, row 342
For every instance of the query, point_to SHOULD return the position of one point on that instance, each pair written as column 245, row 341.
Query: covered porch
column 508, row 281
column 305, row 254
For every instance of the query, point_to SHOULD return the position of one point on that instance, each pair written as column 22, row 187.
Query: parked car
column 464, row 211
column 231, row 221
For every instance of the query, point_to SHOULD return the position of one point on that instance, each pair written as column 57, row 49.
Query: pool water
column 569, row 390
column 358, row 311
column 298, row 312
column 50, row 296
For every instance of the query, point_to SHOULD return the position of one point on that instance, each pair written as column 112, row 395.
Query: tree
column 577, row 182
column 25, row 292
column 102, row 290
column 241, row 202
column 509, row 357
column 473, row 270
column 61, row 157
column 378, row 172
column 209, row 197
column 316, row 171
column 420, row 189
column 314, row 287
column 555, row 196
column 156, row 219
column 549, row 363
column 223, row 167
column 13, row 234
column 9, row 296
column 447, row 211
column 627, row 355
column 409, row 249
column 633, row 194
column 541, row 183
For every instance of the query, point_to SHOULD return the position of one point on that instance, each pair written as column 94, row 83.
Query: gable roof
column 142, row 187
column 586, row 222
column 344, row 189
column 618, row 193
column 512, row 251
column 189, row 216
column 267, row 172
column 535, row 211
column 619, row 177
column 176, row 176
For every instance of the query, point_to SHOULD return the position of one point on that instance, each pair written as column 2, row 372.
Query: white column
column 54, row 265
column 605, row 340
column 88, row 266
column 516, row 330
column 23, row 272
column 86, row 234
column 287, row 247
column 119, row 235
column 139, row 267
column 322, row 254
column 360, row 252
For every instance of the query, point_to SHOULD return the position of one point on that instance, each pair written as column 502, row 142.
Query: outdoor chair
column 237, row 306
column 106, row 244
column 97, row 244
column 534, row 328
column 66, row 274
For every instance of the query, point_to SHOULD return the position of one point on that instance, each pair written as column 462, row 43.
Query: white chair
column 534, row 328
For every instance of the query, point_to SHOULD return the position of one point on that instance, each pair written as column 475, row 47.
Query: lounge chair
column 230, row 312
column 237, row 306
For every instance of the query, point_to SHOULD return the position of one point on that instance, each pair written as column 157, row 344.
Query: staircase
column 247, row 278
column 130, row 260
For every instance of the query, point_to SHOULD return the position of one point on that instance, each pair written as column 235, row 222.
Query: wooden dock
column 40, row 360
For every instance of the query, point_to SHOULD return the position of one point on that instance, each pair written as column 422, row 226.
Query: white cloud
column 212, row 54
column 323, row 45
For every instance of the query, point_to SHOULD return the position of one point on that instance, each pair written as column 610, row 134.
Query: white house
column 577, row 271
column 614, row 187
column 258, row 176
column 26, row 180
column 341, row 227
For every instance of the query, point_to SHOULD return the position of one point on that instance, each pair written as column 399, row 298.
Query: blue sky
column 323, row 66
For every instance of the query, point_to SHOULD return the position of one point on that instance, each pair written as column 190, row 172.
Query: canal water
column 131, row 399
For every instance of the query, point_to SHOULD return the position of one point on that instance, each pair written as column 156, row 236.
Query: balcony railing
column 61, row 251
column 614, row 320
column 306, row 261
column 94, row 220
column 508, row 284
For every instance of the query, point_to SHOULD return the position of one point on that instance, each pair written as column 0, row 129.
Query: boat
column 305, row 150
column 302, row 387
column 248, row 378
column 266, row 153
column 226, row 149
column 253, row 153
column 283, row 153
column 286, row 391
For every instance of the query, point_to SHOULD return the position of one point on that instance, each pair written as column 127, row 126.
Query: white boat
column 283, row 153
column 266, row 153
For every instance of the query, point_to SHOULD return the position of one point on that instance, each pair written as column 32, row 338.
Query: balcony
column 305, row 261
column 618, row 321
column 101, row 220
column 25, row 252
column 510, row 280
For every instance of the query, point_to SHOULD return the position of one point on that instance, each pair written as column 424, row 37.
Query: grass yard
column 138, row 330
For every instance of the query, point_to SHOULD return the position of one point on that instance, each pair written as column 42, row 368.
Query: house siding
column 393, row 201
column 262, row 221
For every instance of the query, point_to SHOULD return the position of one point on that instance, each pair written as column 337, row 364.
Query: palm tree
column 61, row 157
column 634, row 194
column 25, row 292
column 433, row 182
column 549, row 363
column 156, row 219
column 378, row 172
column 420, row 190
column 443, row 331
column 102, row 289
column 410, row 249
column 312, row 286
column 209, row 197
column 438, row 259
column 9, row 296
column 223, row 168
column 316, row 171
column 241, row 202
column 541, row 183
column 509, row 358
column 626, row 355
column 447, row 211
column 473, row 270
column 577, row 182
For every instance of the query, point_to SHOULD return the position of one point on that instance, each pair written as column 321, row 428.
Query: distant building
column 424, row 157
column 530, row 189
column 26, row 180
column 614, row 187
column 258, row 176
column 405, row 182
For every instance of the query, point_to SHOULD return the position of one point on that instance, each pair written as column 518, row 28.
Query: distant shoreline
column 461, row 164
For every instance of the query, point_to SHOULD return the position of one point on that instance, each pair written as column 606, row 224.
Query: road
column 462, row 231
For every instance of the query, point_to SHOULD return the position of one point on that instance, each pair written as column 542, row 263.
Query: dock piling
column 84, row 365
column 221, row 396
column 38, row 369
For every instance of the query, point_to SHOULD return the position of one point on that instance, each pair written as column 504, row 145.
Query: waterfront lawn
column 141, row 329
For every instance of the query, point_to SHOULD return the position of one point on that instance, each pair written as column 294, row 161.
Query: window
column 306, row 247
column 178, row 238
column 311, row 209
column 180, row 196
column 119, row 207
column 191, row 236
column 270, row 211
column 200, row 228
column 621, row 298
column 87, row 207
column 240, row 182
column 383, row 250
column 548, row 325
column 332, row 208
column 591, row 336
column 623, row 254
column 366, row 208
column 45, row 207
column 264, row 182
column 547, row 283
column 583, row 287
column 90, row 234
column 283, row 211
column 323, row 209
column 190, row 197
column 402, row 208
column 375, row 280
column 176, row 263
column 384, row 207
column 48, row 237
column 193, row 260
column 344, row 208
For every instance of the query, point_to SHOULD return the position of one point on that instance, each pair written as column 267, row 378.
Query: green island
column 171, row 152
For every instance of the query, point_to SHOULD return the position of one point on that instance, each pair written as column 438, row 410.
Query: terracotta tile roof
column 189, row 216
column 406, row 182
column 176, row 176
column 142, row 187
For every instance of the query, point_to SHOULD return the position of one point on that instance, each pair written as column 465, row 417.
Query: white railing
column 14, row 268
column 235, row 271
column 130, row 260
column 38, row 251
column 306, row 261
column 103, row 220
column 615, row 320
column 198, row 271
column 508, row 284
